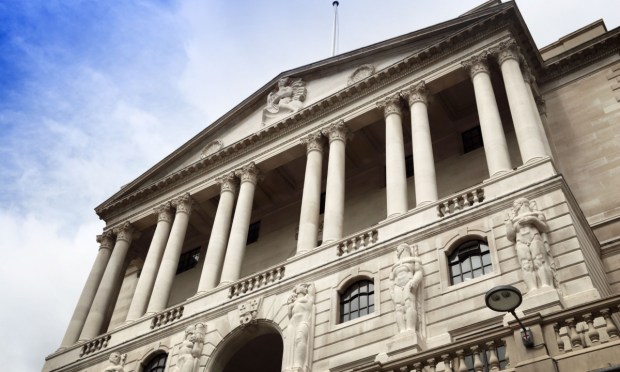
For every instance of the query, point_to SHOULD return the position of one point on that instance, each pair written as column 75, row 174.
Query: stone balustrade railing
column 257, row 281
column 167, row 316
column 95, row 345
column 586, row 326
column 460, row 202
column 356, row 242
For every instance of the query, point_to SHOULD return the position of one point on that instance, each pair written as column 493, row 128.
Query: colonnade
column 227, row 243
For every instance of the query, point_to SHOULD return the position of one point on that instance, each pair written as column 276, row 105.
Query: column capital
column 183, row 203
column 507, row 50
column 164, row 212
column 314, row 142
column 416, row 93
column 476, row 64
column 337, row 131
column 106, row 240
column 249, row 173
column 125, row 232
column 228, row 182
column 391, row 105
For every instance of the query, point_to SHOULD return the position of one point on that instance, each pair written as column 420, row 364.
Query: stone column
column 154, row 255
column 395, row 170
column 423, row 160
column 530, row 83
column 530, row 141
column 337, row 134
column 216, row 250
column 495, row 146
column 311, row 198
column 109, row 282
column 241, row 222
column 80, row 313
column 172, row 253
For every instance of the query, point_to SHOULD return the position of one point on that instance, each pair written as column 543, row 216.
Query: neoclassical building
column 352, row 214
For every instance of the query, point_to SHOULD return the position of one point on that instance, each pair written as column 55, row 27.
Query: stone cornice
column 494, row 22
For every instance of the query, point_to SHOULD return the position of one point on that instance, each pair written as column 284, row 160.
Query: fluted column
column 311, row 198
column 109, row 282
column 423, row 160
column 241, row 222
column 337, row 134
column 530, row 82
column 219, row 233
column 495, row 146
column 106, row 241
column 144, row 288
column 531, row 144
column 395, row 170
column 172, row 253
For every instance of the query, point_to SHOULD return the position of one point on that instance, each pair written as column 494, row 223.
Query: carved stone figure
column 191, row 349
column 405, row 279
column 360, row 73
column 286, row 98
column 300, row 328
column 116, row 363
column 526, row 227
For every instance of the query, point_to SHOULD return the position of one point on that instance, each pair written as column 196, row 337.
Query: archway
column 257, row 347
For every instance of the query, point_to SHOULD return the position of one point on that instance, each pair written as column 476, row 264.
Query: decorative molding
column 183, row 203
column 507, row 50
column 337, row 131
column 391, row 105
column 167, row 316
column 164, row 212
column 257, row 281
column 249, row 173
column 106, row 240
column 125, row 232
column 211, row 148
column 458, row 203
column 314, row 142
column 416, row 93
column 95, row 345
column 476, row 64
column 360, row 73
column 228, row 182
column 363, row 240
column 248, row 311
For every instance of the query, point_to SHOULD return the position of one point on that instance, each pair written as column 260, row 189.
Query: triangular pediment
column 297, row 89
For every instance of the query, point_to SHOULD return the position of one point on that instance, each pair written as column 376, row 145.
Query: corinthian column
column 337, row 134
column 495, row 147
column 531, row 145
column 76, row 324
column 172, row 252
column 423, row 160
column 395, row 171
column 311, row 198
column 219, row 233
column 109, row 282
column 241, row 222
column 146, row 282
column 530, row 83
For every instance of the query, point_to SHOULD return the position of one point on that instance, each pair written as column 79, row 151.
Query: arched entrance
column 256, row 347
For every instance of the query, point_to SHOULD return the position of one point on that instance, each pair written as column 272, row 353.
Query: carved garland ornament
column 416, row 93
column 360, row 73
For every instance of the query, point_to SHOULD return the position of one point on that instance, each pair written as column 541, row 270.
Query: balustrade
column 362, row 240
column 460, row 202
column 95, row 345
column 167, row 316
column 257, row 281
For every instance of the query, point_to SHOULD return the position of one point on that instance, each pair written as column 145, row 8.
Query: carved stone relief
column 211, row 148
column 300, row 330
column 527, row 228
column 191, row 349
column 249, row 311
column 117, row 362
column 286, row 98
column 361, row 73
column 405, row 278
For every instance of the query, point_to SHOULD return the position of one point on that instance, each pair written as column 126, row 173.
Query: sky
column 94, row 93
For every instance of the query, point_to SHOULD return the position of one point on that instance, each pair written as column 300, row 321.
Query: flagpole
column 335, row 30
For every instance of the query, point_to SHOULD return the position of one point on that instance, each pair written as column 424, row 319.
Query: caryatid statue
column 405, row 279
column 191, row 348
column 286, row 98
column 526, row 227
column 300, row 328
column 116, row 363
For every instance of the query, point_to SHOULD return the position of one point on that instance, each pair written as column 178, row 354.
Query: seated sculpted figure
column 115, row 363
column 526, row 227
column 287, row 97
column 405, row 278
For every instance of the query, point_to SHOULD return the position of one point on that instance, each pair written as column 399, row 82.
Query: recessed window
column 484, row 358
column 472, row 139
column 188, row 260
column 357, row 300
column 253, row 232
column 157, row 364
column 470, row 260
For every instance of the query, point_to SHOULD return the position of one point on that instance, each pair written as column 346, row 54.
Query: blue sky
column 94, row 93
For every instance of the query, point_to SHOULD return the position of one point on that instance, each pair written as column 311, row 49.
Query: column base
column 402, row 345
column 536, row 158
column 500, row 173
column 421, row 204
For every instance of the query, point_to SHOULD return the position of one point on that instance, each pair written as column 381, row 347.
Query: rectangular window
column 188, row 260
column 472, row 139
column 253, row 232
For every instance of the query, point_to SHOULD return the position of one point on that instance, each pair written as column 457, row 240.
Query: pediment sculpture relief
column 191, row 349
column 527, row 228
column 117, row 362
column 361, row 73
column 285, row 99
column 211, row 148
column 300, row 329
column 405, row 279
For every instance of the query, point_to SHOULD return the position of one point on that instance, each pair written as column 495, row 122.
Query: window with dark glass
column 472, row 139
column 188, row 260
column 157, row 364
column 253, row 232
column 357, row 300
column 484, row 358
column 469, row 260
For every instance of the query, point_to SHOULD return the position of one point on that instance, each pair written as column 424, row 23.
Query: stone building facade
column 351, row 215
